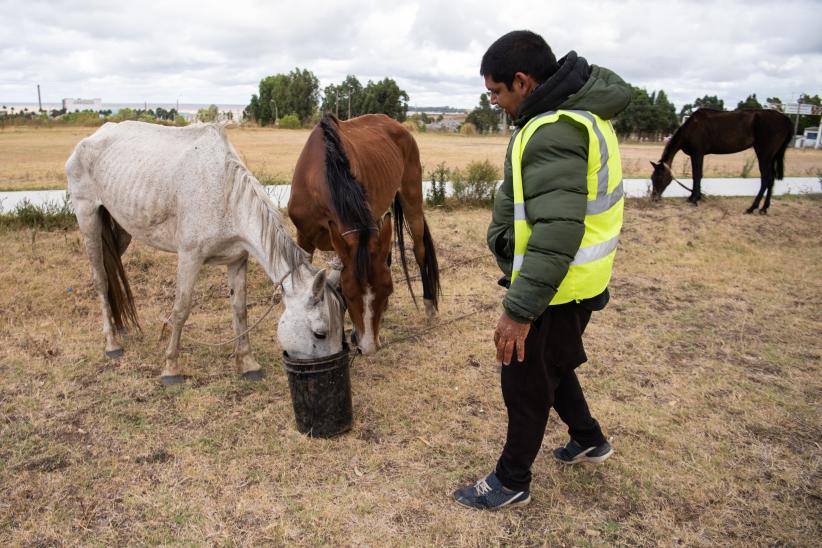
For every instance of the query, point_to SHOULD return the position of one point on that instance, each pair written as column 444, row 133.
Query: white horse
column 186, row 191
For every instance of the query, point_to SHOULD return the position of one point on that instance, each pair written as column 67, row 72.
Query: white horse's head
column 312, row 323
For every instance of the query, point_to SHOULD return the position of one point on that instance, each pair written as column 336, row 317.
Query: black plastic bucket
column 321, row 393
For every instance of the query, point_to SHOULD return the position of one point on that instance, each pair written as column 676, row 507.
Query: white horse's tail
column 123, row 311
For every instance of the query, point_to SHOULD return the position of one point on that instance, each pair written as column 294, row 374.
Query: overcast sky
column 217, row 52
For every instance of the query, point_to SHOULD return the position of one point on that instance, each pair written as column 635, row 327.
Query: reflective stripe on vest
column 590, row 270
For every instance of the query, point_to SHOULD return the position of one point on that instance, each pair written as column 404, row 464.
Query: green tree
column 344, row 100
column 710, row 101
column 484, row 117
column 208, row 114
column 638, row 117
column 774, row 100
column 664, row 117
column 282, row 94
column 750, row 102
column 385, row 97
column 302, row 94
column 807, row 120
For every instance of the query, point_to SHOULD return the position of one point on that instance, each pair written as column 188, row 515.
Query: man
column 555, row 226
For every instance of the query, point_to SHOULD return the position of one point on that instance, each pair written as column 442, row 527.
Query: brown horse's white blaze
column 350, row 174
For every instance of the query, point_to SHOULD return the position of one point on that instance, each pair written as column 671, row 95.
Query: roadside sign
column 801, row 108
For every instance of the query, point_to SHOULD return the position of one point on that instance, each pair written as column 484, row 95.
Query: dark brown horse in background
column 348, row 176
column 718, row 132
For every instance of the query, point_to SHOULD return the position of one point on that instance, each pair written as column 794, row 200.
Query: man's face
column 509, row 100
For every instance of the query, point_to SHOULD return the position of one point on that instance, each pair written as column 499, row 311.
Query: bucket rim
column 288, row 360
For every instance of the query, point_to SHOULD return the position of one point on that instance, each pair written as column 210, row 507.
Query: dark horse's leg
column 696, row 167
column 765, row 184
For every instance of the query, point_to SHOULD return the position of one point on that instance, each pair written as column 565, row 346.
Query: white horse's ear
column 318, row 287
column 333, row 278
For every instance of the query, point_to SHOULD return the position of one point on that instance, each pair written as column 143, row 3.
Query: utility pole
column 39, row 102
column 798, row 108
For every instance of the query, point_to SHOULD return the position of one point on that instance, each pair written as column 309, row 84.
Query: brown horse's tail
column 430, row 269
column 120, row 298
column 779, row 159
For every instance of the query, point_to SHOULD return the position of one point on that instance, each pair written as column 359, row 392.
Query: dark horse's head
column 362, row 244
column 660, row 179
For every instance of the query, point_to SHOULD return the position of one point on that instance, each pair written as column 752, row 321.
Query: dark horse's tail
column 120, row 299
column 779, row 159
column 429, row 271
column 347, row 194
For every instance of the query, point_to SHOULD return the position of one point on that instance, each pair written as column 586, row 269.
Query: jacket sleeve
column 554, row 173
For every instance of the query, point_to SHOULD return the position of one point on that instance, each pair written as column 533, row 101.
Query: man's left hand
column 509, row 335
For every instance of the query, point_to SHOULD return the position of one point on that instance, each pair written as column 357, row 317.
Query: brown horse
column 348, row 176
column 718, row 132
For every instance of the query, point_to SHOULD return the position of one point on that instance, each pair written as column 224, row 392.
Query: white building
column 812, row 137
column 72, row 105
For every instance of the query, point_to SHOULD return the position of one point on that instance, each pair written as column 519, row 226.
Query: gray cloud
column 218, row 52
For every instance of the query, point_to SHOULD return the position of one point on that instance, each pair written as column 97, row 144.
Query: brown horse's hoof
column 256, row 375
column 114, row 354
column 171, row 380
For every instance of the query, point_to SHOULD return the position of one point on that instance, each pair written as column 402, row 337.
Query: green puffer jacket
column 554, row 171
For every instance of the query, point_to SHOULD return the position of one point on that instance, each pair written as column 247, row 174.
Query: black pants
column 553, row 349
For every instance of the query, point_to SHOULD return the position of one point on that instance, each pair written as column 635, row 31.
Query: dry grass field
column 33, row 158
column 704, row 371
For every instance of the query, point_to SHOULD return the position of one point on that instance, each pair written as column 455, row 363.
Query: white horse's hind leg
column 247, row 366
column 188, row 266
column 91, row 227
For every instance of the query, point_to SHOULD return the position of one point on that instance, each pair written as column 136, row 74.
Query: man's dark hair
column 519, row 51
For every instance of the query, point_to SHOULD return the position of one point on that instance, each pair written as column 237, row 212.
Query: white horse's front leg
column 188, row 266
column 247, row 366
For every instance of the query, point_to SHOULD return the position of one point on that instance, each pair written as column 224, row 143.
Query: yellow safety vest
column 590, row 271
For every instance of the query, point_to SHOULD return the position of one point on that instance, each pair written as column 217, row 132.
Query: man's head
column 514, row 66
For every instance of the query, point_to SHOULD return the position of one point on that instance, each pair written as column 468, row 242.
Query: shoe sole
column 586, row 458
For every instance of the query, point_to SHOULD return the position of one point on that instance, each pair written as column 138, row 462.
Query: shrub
column 289, row 121
column 477, row 184
column 49, row 216
column 436, row 194
column 748, row 166
column 468, row 129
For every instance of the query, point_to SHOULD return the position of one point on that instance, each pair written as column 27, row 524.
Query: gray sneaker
column 489, row 494
column 574, row 453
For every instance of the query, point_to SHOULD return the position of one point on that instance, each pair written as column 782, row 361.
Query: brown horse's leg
column 247, row 366
column 91, row 226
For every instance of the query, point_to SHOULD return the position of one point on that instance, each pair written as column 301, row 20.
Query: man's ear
column 523, row 83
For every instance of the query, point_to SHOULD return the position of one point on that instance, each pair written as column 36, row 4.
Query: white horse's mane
column 243, row 189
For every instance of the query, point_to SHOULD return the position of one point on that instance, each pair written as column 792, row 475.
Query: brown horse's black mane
column 348, row 196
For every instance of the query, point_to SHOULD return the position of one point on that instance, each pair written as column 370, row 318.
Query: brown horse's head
column 365, row 279
column 660, row 179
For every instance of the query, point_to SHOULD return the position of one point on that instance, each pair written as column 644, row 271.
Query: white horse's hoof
column 114, row 354
column 256, row 375
column 171, row 380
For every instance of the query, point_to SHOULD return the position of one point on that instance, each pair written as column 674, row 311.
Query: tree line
column 294, row 99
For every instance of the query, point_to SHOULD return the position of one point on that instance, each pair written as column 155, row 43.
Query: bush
column 289, row 121
column 468, row 129
column 436, row 194
column 49, row 216
column 477, row 184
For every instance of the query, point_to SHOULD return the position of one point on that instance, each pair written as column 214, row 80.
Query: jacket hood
column 580, row 86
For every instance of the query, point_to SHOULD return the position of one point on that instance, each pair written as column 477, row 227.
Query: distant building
column 71, row 105
column 812, row 138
